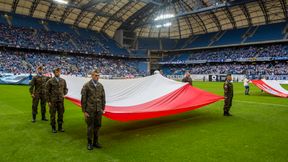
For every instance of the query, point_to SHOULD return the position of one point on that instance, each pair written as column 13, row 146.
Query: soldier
column 93, row 105
column 228, row 94
column 37, row 91
column 187, row 78
column 56, row 89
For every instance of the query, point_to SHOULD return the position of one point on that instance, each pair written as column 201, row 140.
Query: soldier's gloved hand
column 32, row 95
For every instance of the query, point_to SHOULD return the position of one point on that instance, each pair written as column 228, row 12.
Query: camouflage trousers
column 35, row 102
column 227, row 104
column 93, row 122
column 56, row 107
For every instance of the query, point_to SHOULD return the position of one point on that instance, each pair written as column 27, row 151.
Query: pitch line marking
column 261, row 103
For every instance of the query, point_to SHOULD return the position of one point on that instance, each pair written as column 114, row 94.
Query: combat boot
column 60, row 128
column 89, row 145
column 96, row 143
column 54, row 129
column 227, row 114
column 44, row 118
column 33, row 118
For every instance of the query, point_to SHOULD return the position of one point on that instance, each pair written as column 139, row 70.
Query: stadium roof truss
column 191, row 16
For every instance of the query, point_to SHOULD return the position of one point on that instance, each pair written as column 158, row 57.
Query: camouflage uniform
column 228, row 94
column 56, row 90
column 187, row 79
column 37, row 89
column 93, row 102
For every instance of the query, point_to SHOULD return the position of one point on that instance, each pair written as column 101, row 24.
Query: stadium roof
column 190, row 16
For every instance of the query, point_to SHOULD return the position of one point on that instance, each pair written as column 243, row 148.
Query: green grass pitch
column 257, row 131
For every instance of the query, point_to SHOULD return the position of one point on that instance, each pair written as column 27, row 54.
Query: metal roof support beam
column 264, row 10
column 140, row 32
column 107, row 24
column 215, row 20
column 169, row 32
column 79, row 18
column 67, row 12
column 90, row 4
column 201, row 25
column 153, row 2
column 51, row 9
column 131, row 21
column 143, row 21
column 202, row 22
column 14, row 5
column 149, row 34
column 96, row 18
column 33, row 7
column 212, row 15
column 179, row 30
column 159, row 31
column 230, row 17
column 284, row 7
column 247, row 14
column 91, row 23
column 186, row 18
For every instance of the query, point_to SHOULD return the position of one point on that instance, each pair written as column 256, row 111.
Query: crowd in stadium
column 234, row 53
column 224, row 68
column 19, row 62
column 56, row 41
column 23, row 62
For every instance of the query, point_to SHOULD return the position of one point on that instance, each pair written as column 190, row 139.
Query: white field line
column 262, row 103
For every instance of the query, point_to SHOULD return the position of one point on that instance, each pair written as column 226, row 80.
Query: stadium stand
column 264, row 33
column 28, row 32
column 26, row 62
column 253, row 34
column 265, row 60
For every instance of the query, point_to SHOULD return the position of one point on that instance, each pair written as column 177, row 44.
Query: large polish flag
column 143, row 98
column 272, row 87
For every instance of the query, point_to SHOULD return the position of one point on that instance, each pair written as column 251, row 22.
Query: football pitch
column 257, row 131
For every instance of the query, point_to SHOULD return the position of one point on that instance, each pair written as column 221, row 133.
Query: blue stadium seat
column 268, row 32
column 180, row 43
column 168, row 44
column 58, row 27
column 140, row 53
column 231, row 37
column 26, row 21
column 202, row 40
column 149, row 43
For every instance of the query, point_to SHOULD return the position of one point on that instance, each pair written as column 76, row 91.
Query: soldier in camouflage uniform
column 93, row 105
column 37, row 91
column 56, row 89
column 228, row 94
column 187, row 78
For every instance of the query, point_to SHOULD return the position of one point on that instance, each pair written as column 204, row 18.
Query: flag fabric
column 272, row 87
column 143, row 98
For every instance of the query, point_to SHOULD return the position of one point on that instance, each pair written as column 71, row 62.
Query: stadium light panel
column 164, row 16
column 167, row 24
column 164, row 25
column 61, row 1
column 158, row 26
